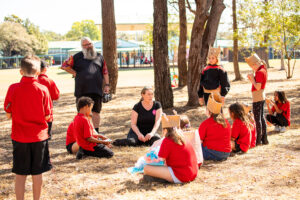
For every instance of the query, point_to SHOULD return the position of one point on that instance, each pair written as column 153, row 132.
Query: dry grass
column 265, row 172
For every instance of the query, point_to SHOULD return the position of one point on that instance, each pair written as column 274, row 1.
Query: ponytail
column 174, row 135
column 219, row 118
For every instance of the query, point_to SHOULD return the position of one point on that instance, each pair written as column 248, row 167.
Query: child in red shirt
column 241, row 128
column 90, row 144
column 279, row 114
column 180, row 158
column 53, row 90
column 28, row 104
column 258, row 95
column 71, row 145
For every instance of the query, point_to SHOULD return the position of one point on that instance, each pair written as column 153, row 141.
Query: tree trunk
column 202, row 37
column 182, row 65
column 235, row 44
column 282, row 67
column 162, row 81
column 110, row 42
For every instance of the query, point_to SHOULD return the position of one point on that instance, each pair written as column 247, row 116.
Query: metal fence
column 14, row 61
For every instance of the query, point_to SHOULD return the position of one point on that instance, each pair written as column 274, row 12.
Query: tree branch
column 189, row 7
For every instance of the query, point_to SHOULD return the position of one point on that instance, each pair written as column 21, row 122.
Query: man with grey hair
column 89, row 69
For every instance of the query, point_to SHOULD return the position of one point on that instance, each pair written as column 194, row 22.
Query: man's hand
column 201, row 101
column 148, row 136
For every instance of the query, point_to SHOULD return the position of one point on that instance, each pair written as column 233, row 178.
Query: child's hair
column 239, row 113
column 185, row 123
column 30, row 64
column 219, row 118
column 281, row 96
column 144, row 90
column 84, row 101
column 44, row 64
column 174, row 135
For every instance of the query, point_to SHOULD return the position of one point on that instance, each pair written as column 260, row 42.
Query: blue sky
column 58, row 15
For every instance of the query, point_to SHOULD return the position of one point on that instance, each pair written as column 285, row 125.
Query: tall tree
column 83, row 28
column 236, row 67
column 110, row 42
column 182, row 65
column 162, row 81
column 206, row 22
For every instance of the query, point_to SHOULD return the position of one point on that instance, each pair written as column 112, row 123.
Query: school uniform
column 70, row 139
column 54, row 94
column 216, row 139
column 83, row 130
column 29, row 103
column 180, row 158
column 258, row 97
column 281, row 119
column 242, row 136
column 213, row 79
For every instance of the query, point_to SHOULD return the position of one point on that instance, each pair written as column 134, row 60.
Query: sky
column 59, row 15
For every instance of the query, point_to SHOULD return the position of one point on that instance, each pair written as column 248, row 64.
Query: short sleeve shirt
column 261, row 76
column 70, row 134
column 242, row 134
column 146, row 118
column 286, row 111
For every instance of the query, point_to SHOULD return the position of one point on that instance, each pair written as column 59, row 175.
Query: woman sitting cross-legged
column 215, row 131
column 145, row 120
column 180, row 158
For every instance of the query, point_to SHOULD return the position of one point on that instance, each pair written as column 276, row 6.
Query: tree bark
column 203, row 35
column 110, row 42
column 235, row 44
column 162, row 81
column 182, row 65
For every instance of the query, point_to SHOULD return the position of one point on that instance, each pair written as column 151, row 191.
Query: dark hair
column 44, row 64
column 281, row 96
column 84, row 101
column 30, row 64
column 173, row 134
column 239, row 113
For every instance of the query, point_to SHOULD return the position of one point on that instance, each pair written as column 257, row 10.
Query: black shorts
column 31, row 158
column 97, row 101
column 69, row 147
column 100, row 151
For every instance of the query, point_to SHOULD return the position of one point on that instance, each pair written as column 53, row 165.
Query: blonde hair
column 144, row 90
column 219, row 118
column 174, row 135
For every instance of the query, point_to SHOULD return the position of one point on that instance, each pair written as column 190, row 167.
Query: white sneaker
column 282, row 129
column 277, row 129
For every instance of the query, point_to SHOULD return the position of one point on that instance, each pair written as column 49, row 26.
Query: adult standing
column 89, row 69
column 145, row 120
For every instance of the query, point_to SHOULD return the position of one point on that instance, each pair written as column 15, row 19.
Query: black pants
column 278, row 120
column 260, row 122
column 133, row 140
column 49, row 129
column 101, row 151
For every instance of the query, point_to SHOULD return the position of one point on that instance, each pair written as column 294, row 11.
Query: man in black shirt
column 89, row 69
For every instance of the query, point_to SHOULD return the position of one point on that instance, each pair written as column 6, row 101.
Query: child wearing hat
column 213, row 78
column 215, row 131
column 179, row 155
column 258, row 80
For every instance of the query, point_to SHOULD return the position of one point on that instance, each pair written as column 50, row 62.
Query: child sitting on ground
column 71, row 145
column 28, row 104
column 241, row 128
column 52, row 88
column 86, row 138
column 279, row 113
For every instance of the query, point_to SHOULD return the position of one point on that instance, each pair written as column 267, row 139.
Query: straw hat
column 170, row 121
column 214, row 52
column 246, row 107
column 252, row 60
column 214, row 103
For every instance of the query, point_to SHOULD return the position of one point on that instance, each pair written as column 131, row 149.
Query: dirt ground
column 265, row 172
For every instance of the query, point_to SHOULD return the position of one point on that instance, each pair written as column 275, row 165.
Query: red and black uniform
column 70, row 139
column 54, row 94
column 261, row 76
column 29, row 103
column 83, row 129
column 281, row 119
column 89, row 77
column 242, row 136
column 181, row 158
column 213, row 77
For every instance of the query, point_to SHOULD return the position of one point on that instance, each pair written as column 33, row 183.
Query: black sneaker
column 79, row 154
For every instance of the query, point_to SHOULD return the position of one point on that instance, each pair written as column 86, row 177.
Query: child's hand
column 250, row 77
column 8, row 115
column 201, row 101
column 232, row 145
column 47, row 117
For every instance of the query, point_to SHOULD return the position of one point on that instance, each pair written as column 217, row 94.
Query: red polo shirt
column 83, row 130
column 215, row 136
column 181, row 158
column 53, row 90
column 242, row 134
column 28, row 102
column 261, row 76
column 286, row 110
column 70, row 134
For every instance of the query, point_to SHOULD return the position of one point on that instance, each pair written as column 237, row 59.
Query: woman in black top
column 145, row 120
